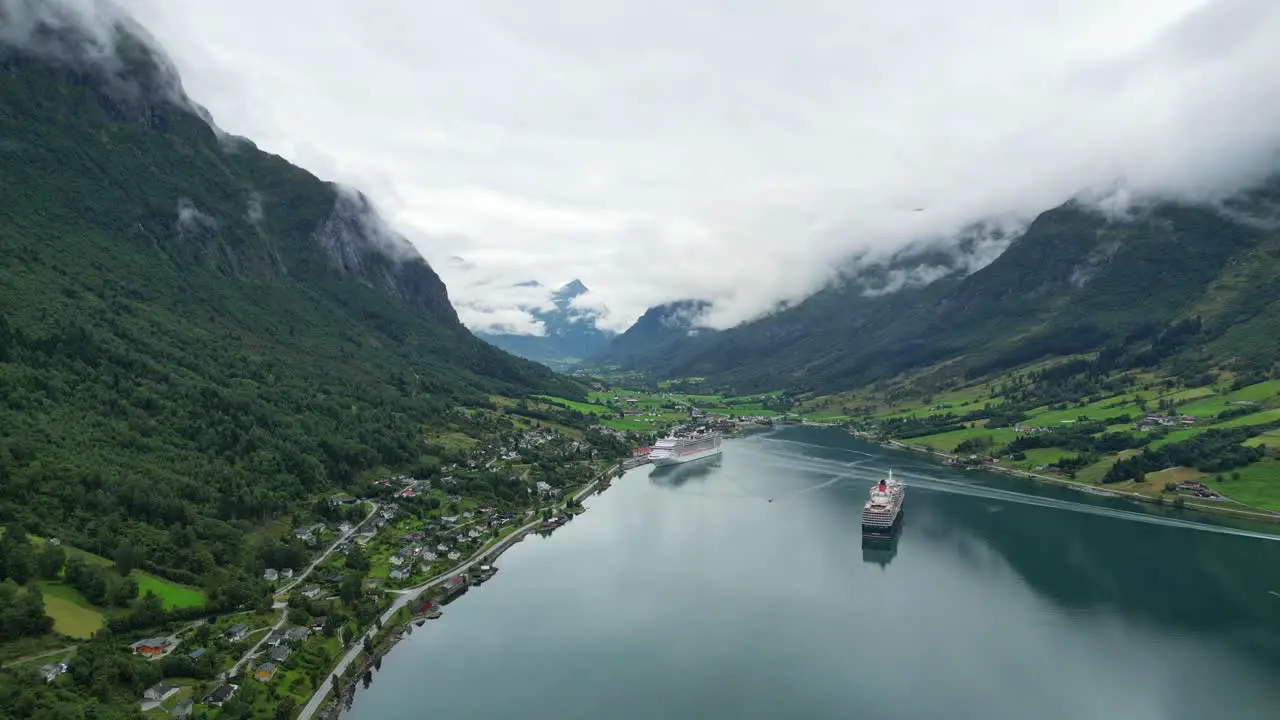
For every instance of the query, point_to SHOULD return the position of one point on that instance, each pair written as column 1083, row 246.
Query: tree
column 356, row 559
column 50, row 561
column 17, row 560
column 351, row 587
column 284, row 709
column 126, row 559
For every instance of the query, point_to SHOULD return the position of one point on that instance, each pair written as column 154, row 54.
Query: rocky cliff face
column 360, row 245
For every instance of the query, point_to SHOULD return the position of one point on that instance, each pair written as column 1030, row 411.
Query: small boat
column 420, row 623
column 770, row 499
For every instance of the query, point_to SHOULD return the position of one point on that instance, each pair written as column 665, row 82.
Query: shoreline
column 1076, row 485
column 322, row 703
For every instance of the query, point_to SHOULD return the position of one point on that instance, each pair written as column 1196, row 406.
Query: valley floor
column 1214, row 446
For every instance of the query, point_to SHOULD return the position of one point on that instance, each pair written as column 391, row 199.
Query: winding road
column 283, row 606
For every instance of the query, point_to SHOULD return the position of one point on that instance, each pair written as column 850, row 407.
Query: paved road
column 29, row 658
column 283, row 607
column 411, row 594
column 315, row 563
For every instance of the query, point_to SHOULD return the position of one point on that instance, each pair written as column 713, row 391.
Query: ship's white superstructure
column 881, row 511
column 675, row 450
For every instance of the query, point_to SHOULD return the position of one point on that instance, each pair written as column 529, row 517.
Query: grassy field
column 1175, row 475
column 1100, row 410
column 658, row 411
column 947, row 441
column 173, row 594
column 1042, row 456
column 1258, row 484
column 1258, row 418
column 72, row 616
column 1270, row 439
column 584, row 408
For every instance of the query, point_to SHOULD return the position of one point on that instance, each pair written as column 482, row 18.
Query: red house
column 151, row 647
column 641, row 451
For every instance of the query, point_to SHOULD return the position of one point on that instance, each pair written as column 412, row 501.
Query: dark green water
column 686, row 594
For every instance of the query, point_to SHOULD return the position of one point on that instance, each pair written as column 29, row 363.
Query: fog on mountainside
column 667, row 155
column 1076, row 281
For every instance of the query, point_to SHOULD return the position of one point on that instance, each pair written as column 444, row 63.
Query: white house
column 160, row 692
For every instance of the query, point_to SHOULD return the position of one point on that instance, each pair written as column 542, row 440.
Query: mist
column 743, row 153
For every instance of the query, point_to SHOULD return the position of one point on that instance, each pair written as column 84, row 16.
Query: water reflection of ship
column 880, row 547
column 673, row 476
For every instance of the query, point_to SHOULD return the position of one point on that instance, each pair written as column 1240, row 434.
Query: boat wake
column 859, row 472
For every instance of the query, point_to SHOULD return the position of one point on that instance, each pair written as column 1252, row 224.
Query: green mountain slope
column 196, row 336
column 1074, row 281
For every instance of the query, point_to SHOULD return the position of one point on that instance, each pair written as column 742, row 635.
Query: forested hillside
column 1075, row 281
column 195, row 335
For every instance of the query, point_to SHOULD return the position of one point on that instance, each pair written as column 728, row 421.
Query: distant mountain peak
column 570, row 333
column 570, row 290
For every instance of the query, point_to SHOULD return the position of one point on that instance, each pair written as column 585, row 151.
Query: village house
column 152, row 647
column 311, row 592
column 297, row 634
column 455, row 585
column 344, row 528
column 396, row 560
column 398, row 574
column 442, row 548
column 264, row 672
column 429, row 557
column 236, row 632
column 221, row 694
column 454, row 555
column 197, row 653
column 286, row 574
column 160, row 692
column 182, row 709
column 51, row 671
column 449, row 520
column 270, row 575
column 317, row 623
column 275, row 638
column 278, row 654
column 309, row 532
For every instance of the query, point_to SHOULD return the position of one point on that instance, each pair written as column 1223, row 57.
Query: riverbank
column 327, row 704
column 1076, row 485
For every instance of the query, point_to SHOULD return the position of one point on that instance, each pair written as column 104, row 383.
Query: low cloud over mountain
column 741, row 154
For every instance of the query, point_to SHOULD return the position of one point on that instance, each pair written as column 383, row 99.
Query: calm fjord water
column 684, row 593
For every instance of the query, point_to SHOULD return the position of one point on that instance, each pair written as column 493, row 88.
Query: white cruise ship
column 881, row 511
column 675, row 450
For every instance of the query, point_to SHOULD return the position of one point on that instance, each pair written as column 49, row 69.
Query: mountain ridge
column 1075, row 280
column 196, row 333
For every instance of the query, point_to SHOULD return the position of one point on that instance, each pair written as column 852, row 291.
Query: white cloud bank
column 734, row 151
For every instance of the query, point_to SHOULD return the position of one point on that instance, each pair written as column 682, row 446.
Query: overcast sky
column 727, row 150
